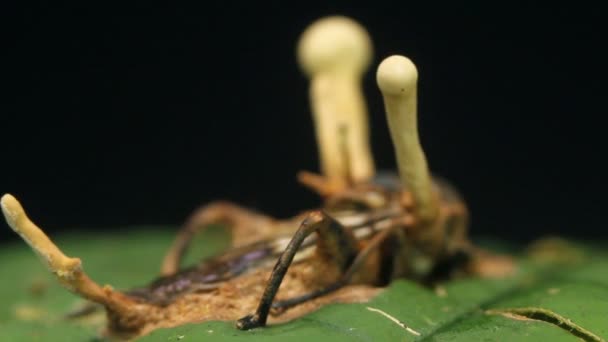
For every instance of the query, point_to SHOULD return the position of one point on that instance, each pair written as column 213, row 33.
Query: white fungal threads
column 335, row 52
column 397, row 79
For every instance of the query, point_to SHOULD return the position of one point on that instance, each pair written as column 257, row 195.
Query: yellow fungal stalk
column 397, row 79
column 67, row 270
column 335, row 52
column 53, row 258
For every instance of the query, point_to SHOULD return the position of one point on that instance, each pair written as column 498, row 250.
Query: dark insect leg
column 359, row 260
column 245, row 226
column 335, row 242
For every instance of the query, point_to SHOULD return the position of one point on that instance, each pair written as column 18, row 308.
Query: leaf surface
column 513, row 309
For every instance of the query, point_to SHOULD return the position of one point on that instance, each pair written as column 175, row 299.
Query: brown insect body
column 364, row 212
column 229, row 285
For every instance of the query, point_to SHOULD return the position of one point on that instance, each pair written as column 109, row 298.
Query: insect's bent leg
column 245, row 226
column 360, row 259
column 68, row 270
column 337, row 243
column 319, row 184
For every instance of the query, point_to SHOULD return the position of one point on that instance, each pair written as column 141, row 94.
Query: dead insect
column 370, row 229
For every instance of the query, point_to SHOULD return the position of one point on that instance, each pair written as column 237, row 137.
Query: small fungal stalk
column 277, row 270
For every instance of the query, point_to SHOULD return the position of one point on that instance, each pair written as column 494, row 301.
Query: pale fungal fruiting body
column 276, row 269
column 335, row 52
column 397, row 77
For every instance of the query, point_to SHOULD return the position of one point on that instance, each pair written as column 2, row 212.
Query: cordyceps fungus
column 365, row 233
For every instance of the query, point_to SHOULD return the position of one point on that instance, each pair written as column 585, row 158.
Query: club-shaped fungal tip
column 335, row 52
column 397, row 79
column 11, row 209
column 334, row 43
column 397, row 76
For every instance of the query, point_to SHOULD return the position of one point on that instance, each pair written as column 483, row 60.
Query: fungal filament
column 397, row 79
column 335, row 52
column 68, row 270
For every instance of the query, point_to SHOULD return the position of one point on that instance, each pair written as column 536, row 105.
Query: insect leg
column 335, row 242
column 245, row 225
column 346, row 277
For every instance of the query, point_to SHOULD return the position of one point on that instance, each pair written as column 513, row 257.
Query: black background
column 117, row 116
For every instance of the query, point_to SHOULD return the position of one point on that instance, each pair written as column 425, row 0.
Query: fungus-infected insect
column 370, row 229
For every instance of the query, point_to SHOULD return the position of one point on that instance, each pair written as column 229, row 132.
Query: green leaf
column 541, row 302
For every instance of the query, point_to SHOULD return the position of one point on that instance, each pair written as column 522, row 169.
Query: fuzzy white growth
column 397, row 79
column 335, row 52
